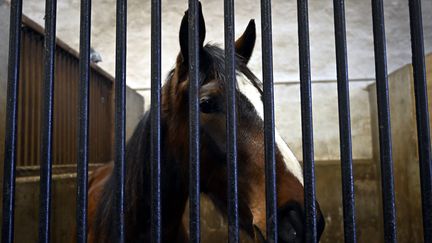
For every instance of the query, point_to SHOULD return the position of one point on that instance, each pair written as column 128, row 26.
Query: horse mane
column 137, row 152
column 137, row 157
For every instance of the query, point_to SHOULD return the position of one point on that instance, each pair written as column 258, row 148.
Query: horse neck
column 138, row 184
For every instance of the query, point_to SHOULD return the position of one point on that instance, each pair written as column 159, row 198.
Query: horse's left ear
column 184, row 33
column 245, row 44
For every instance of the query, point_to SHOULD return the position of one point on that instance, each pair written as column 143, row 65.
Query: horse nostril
column 296, row 220
column 291, row 223
column 286, row 232
column 290, row 220
column 292, row 235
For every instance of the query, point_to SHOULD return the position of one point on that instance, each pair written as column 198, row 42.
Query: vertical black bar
column 344, row 123
column 47, row 121
column 120, row 117
column 307, row 122
column 83, row 134
column 233, row 223
column 384, row 122
column 269, row 123
column 155, row 120
column 422, row 113
column 11, row 122
column 194, row 167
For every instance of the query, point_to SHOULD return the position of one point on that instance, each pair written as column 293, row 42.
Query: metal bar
column 344, row 123
column 11, row 122
column 47, row 121
column 120, row 117
column 194, row 142
column 422, row 114
column 384, row 122
column 156, row 120
column 307, row 122
column 83, row 112
column 230, row 74
column 269, row 123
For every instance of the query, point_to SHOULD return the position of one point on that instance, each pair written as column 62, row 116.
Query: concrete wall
column 405, row 149
column 285, row 38
column 134, row 110
column 325, row 119
column 63, row 209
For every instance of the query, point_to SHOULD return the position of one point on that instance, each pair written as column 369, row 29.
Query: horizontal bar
column 387, row 181
column 231, row 81
column 47, row 121
column 269, row 123
column 307, row 122
column 422, row 114
column 11, row 122
column 120, row 119
column 344, row 123
column 156, row 121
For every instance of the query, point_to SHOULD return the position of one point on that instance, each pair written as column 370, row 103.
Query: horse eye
column 208, row 105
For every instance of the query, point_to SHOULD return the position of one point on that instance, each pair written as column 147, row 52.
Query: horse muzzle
column 291, row 225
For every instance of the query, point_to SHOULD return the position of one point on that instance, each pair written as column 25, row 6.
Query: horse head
column 250, row 136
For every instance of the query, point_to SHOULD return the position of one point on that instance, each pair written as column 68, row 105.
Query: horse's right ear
column 184, row 33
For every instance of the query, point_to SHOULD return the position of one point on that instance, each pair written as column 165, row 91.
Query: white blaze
column 254, row 96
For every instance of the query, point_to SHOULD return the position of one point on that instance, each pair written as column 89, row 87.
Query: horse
column 213, row 171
